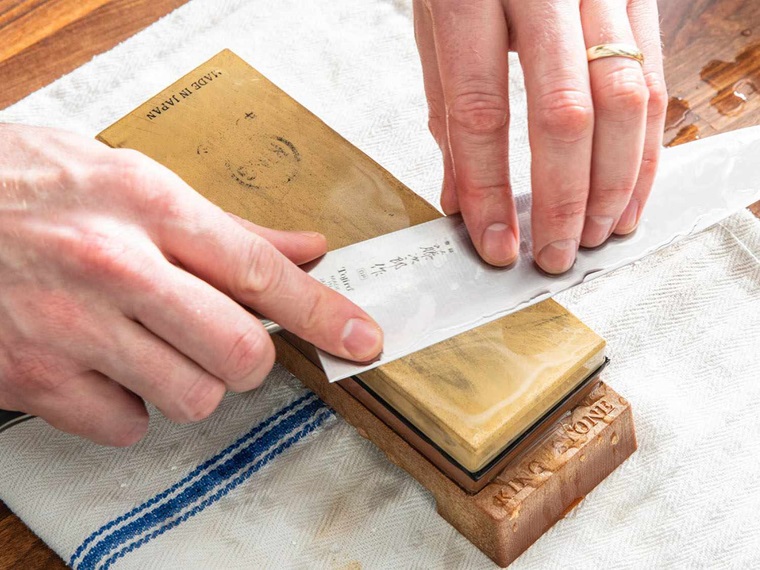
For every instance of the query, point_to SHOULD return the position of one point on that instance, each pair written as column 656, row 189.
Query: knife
column 426, row 283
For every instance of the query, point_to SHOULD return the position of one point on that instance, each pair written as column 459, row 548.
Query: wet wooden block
column 529, row 495
column 243, row 143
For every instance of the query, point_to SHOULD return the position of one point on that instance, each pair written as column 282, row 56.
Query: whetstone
column 243, row 143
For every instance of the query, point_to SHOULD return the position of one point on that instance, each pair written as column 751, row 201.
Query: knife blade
column 426, row 283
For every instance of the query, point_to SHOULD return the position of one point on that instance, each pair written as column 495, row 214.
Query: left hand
column 595, row 128
column 120, row 284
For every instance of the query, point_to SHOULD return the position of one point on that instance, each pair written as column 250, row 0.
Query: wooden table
column 712, row 67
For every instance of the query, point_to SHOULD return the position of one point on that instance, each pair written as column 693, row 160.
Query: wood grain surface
column 712, row 66
column 41, row 40
column 20, row 548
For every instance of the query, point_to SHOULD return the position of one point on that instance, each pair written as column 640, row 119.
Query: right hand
column 119, row 283
column 595, row 129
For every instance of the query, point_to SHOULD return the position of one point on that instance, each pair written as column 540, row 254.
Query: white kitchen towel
column 274, row 479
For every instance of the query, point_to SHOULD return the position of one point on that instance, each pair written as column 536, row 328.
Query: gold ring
column 615, row 50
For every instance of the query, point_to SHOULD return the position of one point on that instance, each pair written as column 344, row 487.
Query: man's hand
column 119, row 283
column 595, row 128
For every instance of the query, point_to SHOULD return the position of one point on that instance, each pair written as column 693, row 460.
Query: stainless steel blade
column 426, row 283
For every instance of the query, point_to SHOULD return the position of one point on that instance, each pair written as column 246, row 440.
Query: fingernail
column 312, row 234
column 596, row 230
column 362, row 339
column 559, row 256
column 499, row 244
column 627, row 222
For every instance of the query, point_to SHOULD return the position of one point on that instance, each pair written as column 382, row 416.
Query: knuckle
column 436, row 128
column 262, row 270
column 200, row 399
column 97, row 253
column 624, row 94
column 562, row 211
column 132, row 168
column 65, row 176
column 246, row 356
column 484, row 194
column 649, row 162
column 480, row 111
column 313, row 318
column 141, row 177
column 565, row 115
column 128, row 436
column 102, row 255
column 158, row 204
column 609, row 197
column 658, row 93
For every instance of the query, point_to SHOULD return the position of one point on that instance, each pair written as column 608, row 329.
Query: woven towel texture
column 274, row 479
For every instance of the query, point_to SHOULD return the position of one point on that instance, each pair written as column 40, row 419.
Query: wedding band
column 615, row 50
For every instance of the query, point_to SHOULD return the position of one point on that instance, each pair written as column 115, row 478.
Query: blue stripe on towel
column 204, row 484
column 194, row 473
column 305, row 430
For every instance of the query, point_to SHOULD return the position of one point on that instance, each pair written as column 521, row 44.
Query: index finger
column 560, row 124
column 471, row 43
column 212, row 246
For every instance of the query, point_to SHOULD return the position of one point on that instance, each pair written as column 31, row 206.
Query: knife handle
column 10, row 419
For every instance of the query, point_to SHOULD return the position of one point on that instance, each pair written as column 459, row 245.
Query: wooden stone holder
column 244, row 144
